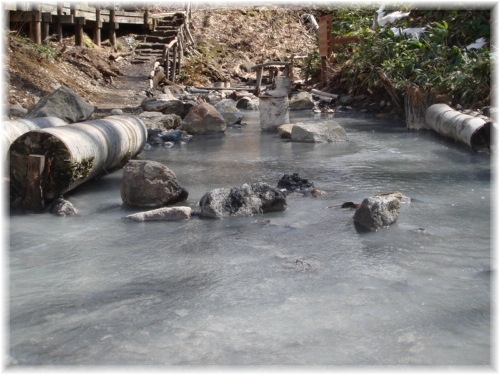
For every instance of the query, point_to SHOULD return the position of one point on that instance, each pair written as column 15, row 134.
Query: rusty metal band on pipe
column 77, row 152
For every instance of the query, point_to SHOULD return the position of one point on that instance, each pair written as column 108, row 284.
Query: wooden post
column 35, row 25
column 33, row 199
column 174, row 62
column 325, row 46
column 59, row 23
column 290, row 68
column 146, row 16
column 98, row 26
column 166, row 61
column 258, row 81
column 112, row 29
column 46, row 20
column 79, row 22
column 179, row 58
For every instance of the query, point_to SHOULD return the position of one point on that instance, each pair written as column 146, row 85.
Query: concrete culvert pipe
column 13, row 129
column 469, row 130
column 76, row 153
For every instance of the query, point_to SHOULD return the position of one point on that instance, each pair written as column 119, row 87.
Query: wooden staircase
column 167, row 30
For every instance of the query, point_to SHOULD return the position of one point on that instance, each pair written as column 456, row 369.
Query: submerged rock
column 247, row 200
column 162, row 214
column 150, row 183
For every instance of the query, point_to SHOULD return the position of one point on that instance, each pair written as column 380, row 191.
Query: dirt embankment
column 229, row 42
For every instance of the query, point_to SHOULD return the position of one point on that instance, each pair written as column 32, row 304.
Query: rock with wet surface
column 292, row 182
column 285, row 131
column 62, row 207
column 175, row 106
column 301, row 101
column 204, row 119
column 318, row 132
column 148, row 183
column 248, row 103
column 177, row 213
column 246, row 200
column 227, row 108
column 158, row 120
column 377, row 212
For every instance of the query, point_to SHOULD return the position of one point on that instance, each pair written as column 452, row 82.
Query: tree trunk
column 416, row 103
column 391, row 90
column 76, row 153
column 15, row 128
column 469, row 130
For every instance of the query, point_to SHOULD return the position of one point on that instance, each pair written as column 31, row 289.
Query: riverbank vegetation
column 229, row 41
column 439, row 58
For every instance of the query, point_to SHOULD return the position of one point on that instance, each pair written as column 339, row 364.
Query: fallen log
column 75, row 153
column 223, row 88
column 469, row 130
column 324, row 94
column 11, row 130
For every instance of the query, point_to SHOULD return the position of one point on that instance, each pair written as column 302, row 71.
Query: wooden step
column 160, row 37
column 152, row 46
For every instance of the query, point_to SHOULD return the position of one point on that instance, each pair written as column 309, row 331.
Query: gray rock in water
column 204, row 119
column 151, row 184
column 301, row 101
column 247, row 200
column 117, row 111
column 248, row 103
column 377, row 212
column 292, row 182
column 175, row 106
column 285, row 131
column 318, row 132
column 177, row 213
column 62, row 207
column 157, row 120
column 227, row 108
column 63, row 103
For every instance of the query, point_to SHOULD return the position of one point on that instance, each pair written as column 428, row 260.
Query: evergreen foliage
column 438, row 60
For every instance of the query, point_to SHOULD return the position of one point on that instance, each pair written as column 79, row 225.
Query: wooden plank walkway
column 43, row 16
column 23, row 11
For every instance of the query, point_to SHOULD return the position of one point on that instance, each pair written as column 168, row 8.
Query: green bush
column 44, row 50
column 438, row 60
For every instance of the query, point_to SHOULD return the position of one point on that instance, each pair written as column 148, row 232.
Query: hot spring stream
column 298, row 287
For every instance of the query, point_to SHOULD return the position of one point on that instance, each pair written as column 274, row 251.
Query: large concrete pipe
column 469, row 130
column 11, row 130
column 75, row 153
column 273, row 107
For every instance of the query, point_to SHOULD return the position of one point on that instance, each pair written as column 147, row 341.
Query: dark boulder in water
column 292, row 182
column 246, row 200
